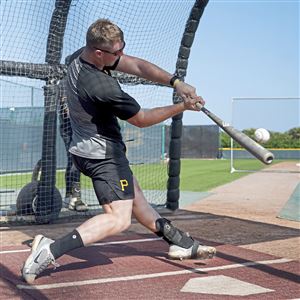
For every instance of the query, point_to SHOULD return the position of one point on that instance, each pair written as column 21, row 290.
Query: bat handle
column 198, row 105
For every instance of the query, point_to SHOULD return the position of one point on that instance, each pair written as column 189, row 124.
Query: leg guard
column 172, row 235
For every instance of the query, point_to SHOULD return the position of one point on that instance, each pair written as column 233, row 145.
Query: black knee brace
column 172, row 235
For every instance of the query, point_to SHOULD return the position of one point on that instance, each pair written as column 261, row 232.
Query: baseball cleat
column 196, row 251
column 75, row 203
column 39, row 259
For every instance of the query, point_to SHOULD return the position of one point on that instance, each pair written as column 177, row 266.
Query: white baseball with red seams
column 261, row 135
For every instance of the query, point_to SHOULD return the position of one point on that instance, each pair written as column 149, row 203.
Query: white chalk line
column 148, row 276
column 137, row 277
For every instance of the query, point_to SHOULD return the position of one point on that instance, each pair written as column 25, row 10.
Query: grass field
column 204, row 175
column 196, row 175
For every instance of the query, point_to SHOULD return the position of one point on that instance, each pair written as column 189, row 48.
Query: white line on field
column 148, row 276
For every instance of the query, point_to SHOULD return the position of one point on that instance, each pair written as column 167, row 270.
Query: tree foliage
column 287, row 139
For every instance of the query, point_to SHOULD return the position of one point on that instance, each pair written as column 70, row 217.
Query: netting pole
column 47, row 181
column 173, row 192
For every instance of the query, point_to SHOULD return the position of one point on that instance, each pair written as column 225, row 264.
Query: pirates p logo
column 123, row 183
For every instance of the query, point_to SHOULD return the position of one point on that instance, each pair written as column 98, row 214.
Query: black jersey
column 95, row 101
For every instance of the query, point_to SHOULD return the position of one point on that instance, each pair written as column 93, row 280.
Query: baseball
column 262, row 135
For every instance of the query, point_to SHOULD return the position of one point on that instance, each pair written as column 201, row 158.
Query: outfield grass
column 204, row 175
column 196, row 175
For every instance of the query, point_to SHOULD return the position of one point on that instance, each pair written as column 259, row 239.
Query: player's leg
column 182, row 245
column 65, row 131
column 113, row 186
column 73, row 200
column 117, row 218
column 68, row 177
column 45, row 251
column 143, row 212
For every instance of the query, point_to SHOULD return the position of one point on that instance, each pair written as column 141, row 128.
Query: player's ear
column 98, row 53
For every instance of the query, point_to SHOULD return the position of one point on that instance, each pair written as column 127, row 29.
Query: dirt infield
column 243, row 212
column 257, row 198
column 255, row 250
column 137, row 268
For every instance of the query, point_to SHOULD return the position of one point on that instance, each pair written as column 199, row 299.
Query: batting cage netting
column 37, row 39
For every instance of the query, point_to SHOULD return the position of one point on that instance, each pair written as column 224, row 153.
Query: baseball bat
column 245, row 141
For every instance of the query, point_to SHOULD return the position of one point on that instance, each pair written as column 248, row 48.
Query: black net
column 36, row 38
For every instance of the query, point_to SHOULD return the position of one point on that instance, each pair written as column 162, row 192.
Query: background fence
column 21, row 136
column 37, row 37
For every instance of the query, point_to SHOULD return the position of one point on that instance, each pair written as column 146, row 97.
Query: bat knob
column 198, row 105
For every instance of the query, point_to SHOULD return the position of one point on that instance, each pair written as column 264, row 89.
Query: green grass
column 154, row 171
column 204, row 175
column 196, row 175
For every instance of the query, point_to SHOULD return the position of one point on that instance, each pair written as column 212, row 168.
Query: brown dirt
column 242, row 213
column 258, row 198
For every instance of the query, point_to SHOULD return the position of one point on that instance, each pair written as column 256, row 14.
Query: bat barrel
column 269, row 157
column 254, row 148
column 250, row 145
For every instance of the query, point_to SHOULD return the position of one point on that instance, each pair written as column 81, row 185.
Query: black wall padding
column 181, row 69
column 174, row 171
column 46, row 186
column 47, row 181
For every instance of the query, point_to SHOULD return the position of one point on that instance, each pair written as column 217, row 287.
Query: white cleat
column 76, row 204
column 197, row 251
column 39, row 259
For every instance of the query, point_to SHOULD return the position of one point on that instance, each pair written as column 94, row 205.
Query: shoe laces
column 46, row 263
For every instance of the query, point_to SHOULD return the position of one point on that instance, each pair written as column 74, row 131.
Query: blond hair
column 103, row 33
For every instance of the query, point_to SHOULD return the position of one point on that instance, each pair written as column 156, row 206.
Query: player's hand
column 189, row 96
column 193, row 103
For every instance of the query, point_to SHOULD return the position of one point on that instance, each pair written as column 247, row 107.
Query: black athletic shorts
column 112, row 178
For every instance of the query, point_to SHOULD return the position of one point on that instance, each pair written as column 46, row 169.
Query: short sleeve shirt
column 95, row 101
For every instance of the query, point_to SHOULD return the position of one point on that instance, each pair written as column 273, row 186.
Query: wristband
column 173, row 80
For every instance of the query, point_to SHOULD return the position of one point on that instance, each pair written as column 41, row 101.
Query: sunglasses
column 115, row 53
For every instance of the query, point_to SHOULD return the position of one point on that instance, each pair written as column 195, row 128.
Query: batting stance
column 95, row 100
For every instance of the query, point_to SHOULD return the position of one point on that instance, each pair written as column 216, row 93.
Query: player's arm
column 142, row 68
column 145, row 118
